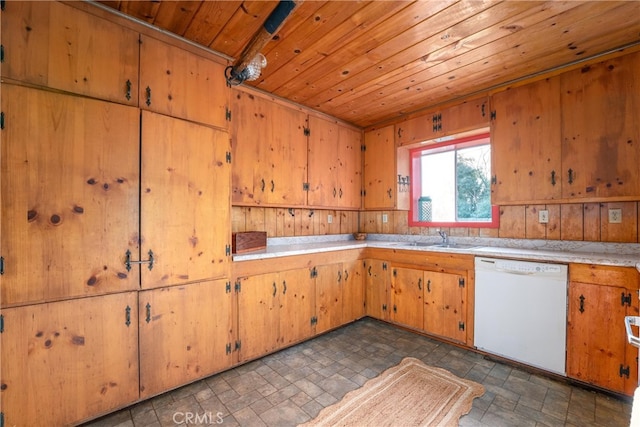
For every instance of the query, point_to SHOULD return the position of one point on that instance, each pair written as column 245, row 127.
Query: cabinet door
column 184, row 334
column 181, row 84
column 58, row 46
column 600, row 130
column 353, row 306
column 595, row 354
column 470, row 115
column 380, row 169
column 406, row 297
column 69, row 195
column 295, row 292
column 334, row 164
column 328, row 297
column 258, row 315
column 525, row 144
column 269, row 152
column 419, row 129
column 444, row 308
column 185, row 211
column 65, row 361
column 376, row 276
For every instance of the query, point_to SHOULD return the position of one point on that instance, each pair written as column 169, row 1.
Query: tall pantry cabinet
column 115, row 238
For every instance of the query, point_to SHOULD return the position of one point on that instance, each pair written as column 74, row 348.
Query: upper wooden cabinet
column 181, row 84
column 54, row 45
column 185, row 202
column 335, row 178
column 380, row 169
column 601, row 130
column 525, row 148
column 571, row 137
column 269, row 152
column 70, row 192
column 469, row 115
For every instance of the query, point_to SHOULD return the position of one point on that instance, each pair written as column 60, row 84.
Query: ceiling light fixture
column 251, row 62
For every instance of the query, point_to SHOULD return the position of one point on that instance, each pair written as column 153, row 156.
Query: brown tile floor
column 293, row 385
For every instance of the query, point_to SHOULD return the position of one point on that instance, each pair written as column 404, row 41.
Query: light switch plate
column 385, row 218
column 615, row 216
column 329, row 219
column 543, row 216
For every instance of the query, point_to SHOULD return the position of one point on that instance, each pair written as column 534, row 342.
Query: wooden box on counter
column 248, row 241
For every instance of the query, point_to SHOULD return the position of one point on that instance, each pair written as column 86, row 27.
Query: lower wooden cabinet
column 353, row 298
column 63, row 362
column 329, row 302
column 597, row 349
column 377, row 280
column 407, row 295
column 186, row 333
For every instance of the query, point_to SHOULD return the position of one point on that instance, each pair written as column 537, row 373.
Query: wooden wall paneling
column 185, row 202
column 238, row 219
column 286, row 226
column 624, row 232
column 304, row 222
column 64, row 362
column 184, row 331
column 572, row 221
column 512, row 222
column 401, row 222
column 592, row 222
column 70, row 176
column 54, row 45
column 553, row 226
column 271, row 222
column 255, row 218
column 533, row 228
column 349, row 222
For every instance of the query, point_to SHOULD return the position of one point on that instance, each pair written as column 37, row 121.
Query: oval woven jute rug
column 408, row 394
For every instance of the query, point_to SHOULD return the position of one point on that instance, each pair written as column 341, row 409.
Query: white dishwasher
column 521, row 311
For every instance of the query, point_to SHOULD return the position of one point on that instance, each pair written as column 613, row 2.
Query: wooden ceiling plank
column 299, row 33
column 210, row 20
column 366, row 84
column 379, row 34
column 334, row 38
column 498, row 55
column 176, row 16
column 143, row 10
column 452, row 37
column 242, row 26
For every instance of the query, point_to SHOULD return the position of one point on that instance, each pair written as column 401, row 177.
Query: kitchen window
column 451, row 184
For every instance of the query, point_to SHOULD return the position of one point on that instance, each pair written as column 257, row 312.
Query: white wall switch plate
column 329, row 219
column 385, row 218
column 615, row 216
column 543, row 216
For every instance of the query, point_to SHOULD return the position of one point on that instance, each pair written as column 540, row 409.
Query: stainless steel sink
column 452, row 246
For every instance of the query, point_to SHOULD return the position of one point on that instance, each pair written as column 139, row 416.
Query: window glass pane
column 439, row 185
column 473, row 174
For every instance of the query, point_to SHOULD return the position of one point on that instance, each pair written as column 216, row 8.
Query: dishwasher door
column 521, row 311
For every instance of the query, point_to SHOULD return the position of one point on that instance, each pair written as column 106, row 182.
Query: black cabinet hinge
column 305, row 186
column 227, row 250
column 461, row 326
column 1, row 265
column 1, row 323
column 227, row 114
column 228, row 156
column 314, row 273
column 494, row 180
column 624, row 372
column 461, row 282
column 363, row 193
column 307, row 132
column 3, row 4
column 238, row 345
column 238, row 286
column 395, row 273
column 227, row 288
column 384, row 307
column 384, row 265
column 2, row 120
column 493, row 115
column 1, row 53
column 227, row 348
column 313, row 321
column 363, row 147
column 625, row 299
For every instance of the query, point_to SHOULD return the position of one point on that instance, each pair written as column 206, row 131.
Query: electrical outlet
column 543, row 216
column 329, row 219
column 615, row 216
column 385, row 218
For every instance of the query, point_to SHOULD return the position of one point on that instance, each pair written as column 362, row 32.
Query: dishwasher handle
column 628, row 322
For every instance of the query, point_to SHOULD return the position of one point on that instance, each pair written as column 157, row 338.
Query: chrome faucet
column 445, row 237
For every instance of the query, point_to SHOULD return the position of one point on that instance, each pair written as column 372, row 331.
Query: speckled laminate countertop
column 615, row 254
